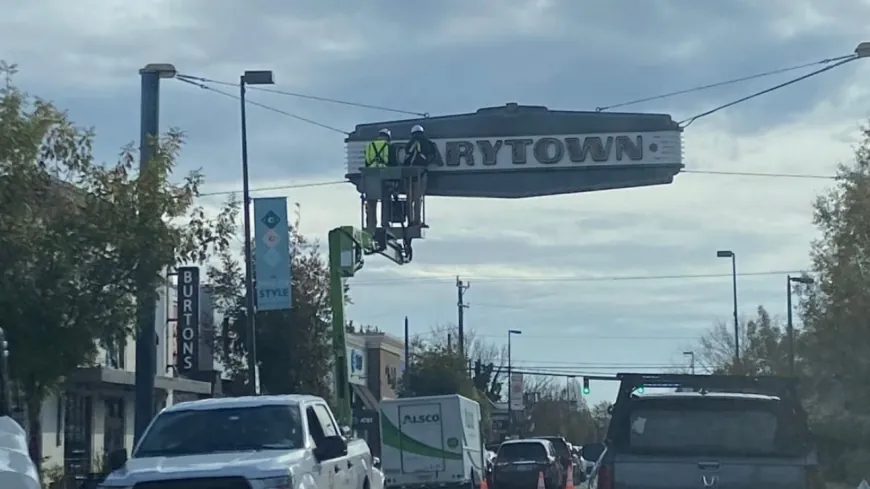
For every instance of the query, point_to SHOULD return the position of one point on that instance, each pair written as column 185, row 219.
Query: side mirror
column 376, row 462
column 116, row 459
column 345, row 431
column 330, row 447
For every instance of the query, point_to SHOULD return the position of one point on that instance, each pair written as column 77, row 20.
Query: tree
column 294, row 349
column 79, row 240
column 487, row 359
column 763, row 347
column 835, row 345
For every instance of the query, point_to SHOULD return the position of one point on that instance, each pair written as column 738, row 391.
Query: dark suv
column 563, row 453
column 714, row 432
column 519, row 464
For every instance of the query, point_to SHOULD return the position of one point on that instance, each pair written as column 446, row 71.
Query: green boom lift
column 400, row 192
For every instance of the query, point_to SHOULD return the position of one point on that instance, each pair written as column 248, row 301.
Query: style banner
column 187, row 321
column 272, row 254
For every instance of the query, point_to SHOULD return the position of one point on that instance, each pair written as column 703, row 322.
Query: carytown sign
column 548, row 150
column 525, row 151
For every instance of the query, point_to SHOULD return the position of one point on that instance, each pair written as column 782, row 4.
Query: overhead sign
column 187, row 336
column 272, row 254
column 543, row 151
column 356, row 366
column 517, row 387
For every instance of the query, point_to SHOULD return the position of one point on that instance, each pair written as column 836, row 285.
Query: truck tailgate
column 660, row 472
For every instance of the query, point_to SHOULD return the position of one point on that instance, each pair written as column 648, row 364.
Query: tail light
column 605, row 477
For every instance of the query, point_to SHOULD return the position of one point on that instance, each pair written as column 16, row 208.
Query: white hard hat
column 385, row 132
column 417, row 128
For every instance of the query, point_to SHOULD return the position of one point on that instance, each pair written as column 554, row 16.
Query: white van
column 432, row 441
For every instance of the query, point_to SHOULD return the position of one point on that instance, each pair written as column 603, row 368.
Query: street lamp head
column 258, row 77
column 691, row 353
column 863, row 50
column 724, row 254
column 803, row 279
column 163, row 70
column 514, row 331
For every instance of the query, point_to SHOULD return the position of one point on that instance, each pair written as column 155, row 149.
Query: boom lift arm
column 347, row 250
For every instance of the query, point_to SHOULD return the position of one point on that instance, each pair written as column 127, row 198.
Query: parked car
column 563, row 453
column 489, row 460
column 519, row 464
column 714, row 432
column 244, row 442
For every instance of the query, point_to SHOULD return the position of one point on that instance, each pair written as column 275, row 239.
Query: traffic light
column 639, row 389
column 585, row 385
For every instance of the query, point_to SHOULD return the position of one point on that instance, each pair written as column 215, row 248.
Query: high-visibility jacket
column 378, row 153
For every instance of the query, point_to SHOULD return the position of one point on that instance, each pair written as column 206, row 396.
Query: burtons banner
column 272, row 254
column 187, row 336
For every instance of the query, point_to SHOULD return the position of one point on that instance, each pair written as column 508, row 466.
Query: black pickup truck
column 707, row 432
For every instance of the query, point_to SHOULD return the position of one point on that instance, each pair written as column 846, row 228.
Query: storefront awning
column 365, row 395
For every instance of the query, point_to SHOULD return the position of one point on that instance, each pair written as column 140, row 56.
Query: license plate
column 424, row 477
column 526, row 468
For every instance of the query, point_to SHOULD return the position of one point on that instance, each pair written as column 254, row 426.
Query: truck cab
column 262, row 442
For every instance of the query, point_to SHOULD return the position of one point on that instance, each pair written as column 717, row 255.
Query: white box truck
column 432, row 441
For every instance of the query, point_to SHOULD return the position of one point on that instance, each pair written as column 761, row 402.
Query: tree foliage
column 79, row 239
column 835, row 346
column 763, row 347
column 294, row 351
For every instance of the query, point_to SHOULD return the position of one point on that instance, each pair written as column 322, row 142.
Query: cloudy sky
column 597, row 282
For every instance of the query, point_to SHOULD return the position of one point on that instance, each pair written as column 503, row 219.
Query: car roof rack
column 782, row 387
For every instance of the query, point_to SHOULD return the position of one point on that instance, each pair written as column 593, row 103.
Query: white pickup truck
column 263, row 442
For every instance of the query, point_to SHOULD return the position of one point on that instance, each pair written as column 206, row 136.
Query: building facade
column 381, row 357
column 93, row 413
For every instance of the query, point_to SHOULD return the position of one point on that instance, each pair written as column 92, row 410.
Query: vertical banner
column 187, row 321
column 517, row 388
column 272, row 254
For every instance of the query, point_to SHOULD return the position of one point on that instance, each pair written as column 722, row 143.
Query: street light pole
column 250, row 78
column 146, row 295
column 790, row 322
column 511, row 332
column 733, row 256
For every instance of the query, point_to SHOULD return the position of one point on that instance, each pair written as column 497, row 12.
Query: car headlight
column 283, row 482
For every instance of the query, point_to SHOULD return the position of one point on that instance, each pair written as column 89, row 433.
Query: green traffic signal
column 585, row 385
column 586, row 390
column 639, row 389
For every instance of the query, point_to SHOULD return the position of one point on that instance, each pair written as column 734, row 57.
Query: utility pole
column 461, row 306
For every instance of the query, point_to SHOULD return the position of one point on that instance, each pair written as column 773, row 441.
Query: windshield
column 197, row 431
column 521, row 452
column 711, row 428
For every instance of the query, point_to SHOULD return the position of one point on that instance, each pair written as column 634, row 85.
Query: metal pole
column 146, row 296
column 510, row 390
column 692, row 363
column 250, row 312
column 736, row 323
column 789, row 325
column 405, row 375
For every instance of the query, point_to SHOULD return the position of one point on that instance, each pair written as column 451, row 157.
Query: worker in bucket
column 379, row 154
column 420, row 150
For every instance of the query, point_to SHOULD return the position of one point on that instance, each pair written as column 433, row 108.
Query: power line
column 724, row 83
column 695, row 172
column 264, row 106
column 276, row 187
column 764, row 175
column 625, row 278
column 305, row 96
column 846, row 59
